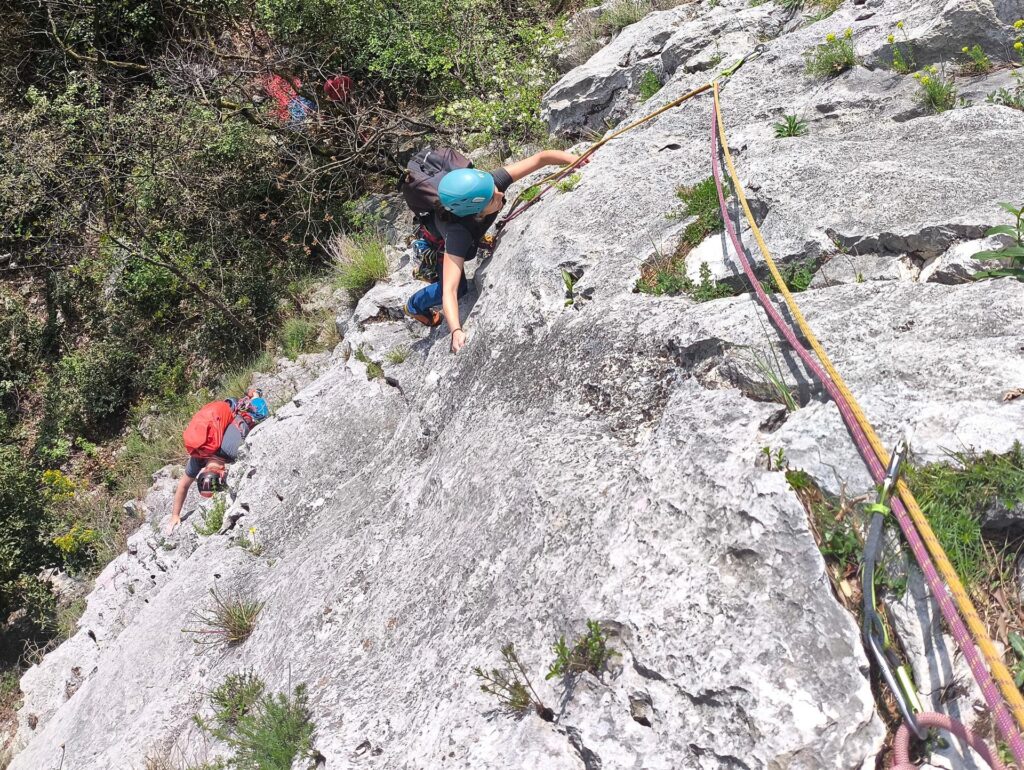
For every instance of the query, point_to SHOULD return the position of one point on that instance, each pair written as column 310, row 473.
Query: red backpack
column 205, row 430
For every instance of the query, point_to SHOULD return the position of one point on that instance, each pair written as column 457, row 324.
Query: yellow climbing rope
column 945, row 568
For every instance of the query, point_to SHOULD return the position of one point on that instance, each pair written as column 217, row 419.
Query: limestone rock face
column 592, row 461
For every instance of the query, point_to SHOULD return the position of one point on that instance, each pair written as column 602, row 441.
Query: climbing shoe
column 430, row 318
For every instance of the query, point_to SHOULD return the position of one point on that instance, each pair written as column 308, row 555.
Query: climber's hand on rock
column 458, row 340
column 175, row 521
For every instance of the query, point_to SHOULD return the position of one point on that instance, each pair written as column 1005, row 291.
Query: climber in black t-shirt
column 470, row 202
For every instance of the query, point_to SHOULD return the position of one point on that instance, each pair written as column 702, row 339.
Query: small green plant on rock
column 373, row 369
column 511, row 686
column 1009, row 97
column 832, row 522
column 590, row 653
column 213, row 519
column 250, row 543
column 569, row 281
column 831, row 58
column 232, row 699
column 649, row 85
column 938, row 92
column 903, row 60
column 568, row 184
column 228, row 621
column 1011, row 256
column 977, row 62
column 776, row 461
column 264, row 731
column 790, row 125
column 530, row 193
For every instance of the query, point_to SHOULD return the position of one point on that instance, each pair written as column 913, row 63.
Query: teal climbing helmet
column 466, row 191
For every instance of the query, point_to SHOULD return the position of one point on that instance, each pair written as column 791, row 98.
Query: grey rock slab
column 597, row 461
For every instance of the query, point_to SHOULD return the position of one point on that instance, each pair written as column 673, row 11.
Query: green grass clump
column 398, row 355
column 213, row 520
column 590, row 653
column 954, row 497
column 831, row 58
column 700, row 201
column 297, row 336
column 938, row 93
column 227, row 621
column 361, row 262
column 649, row 85
column 832, row 522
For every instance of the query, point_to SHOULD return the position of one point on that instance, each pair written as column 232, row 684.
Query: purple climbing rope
column 1004, row 721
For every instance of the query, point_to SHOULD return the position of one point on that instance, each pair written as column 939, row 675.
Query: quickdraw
column 876, row 634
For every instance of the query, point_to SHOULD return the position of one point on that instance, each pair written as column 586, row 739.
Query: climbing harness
column 876, row 635
column 519, row 205
column 908, row 514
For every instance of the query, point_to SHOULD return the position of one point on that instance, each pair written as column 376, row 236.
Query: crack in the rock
column 591, row 761
column 725, row 760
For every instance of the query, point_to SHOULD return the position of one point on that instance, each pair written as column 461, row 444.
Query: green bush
column 213, row 519
column 790, row 125
column 589, row 653
column 832, row 57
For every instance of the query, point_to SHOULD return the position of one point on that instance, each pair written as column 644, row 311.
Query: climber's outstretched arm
column 526, row 166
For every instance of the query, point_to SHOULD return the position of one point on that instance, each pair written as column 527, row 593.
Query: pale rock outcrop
column 593, row 461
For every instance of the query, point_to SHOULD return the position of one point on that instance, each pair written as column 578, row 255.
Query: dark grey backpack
column 421, row 177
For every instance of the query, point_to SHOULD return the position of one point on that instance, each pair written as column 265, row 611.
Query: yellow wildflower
column 917, row 76
column 1019, row 46
column 1019, row 24
column 964, row 49
column 830, row 38
column 848, row 34
column 899, row 25
column 891, row 38
column 925, row 80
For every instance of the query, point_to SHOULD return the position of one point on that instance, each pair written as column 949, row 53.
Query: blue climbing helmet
column 466, row 191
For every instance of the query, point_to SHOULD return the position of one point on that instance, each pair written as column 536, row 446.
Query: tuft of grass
column 649, row 85
column 771, row 370
column 568, row 184
column 511, row 686
column 955, row 495
column 298, row 335
column 213, row 519
column 398, row 355
column 938, row 92
column 831, row 58
column 373, row 369
column 977, row 62
column 589, row 653
column 360, row 262
column 228, row 621
column 790, row 125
